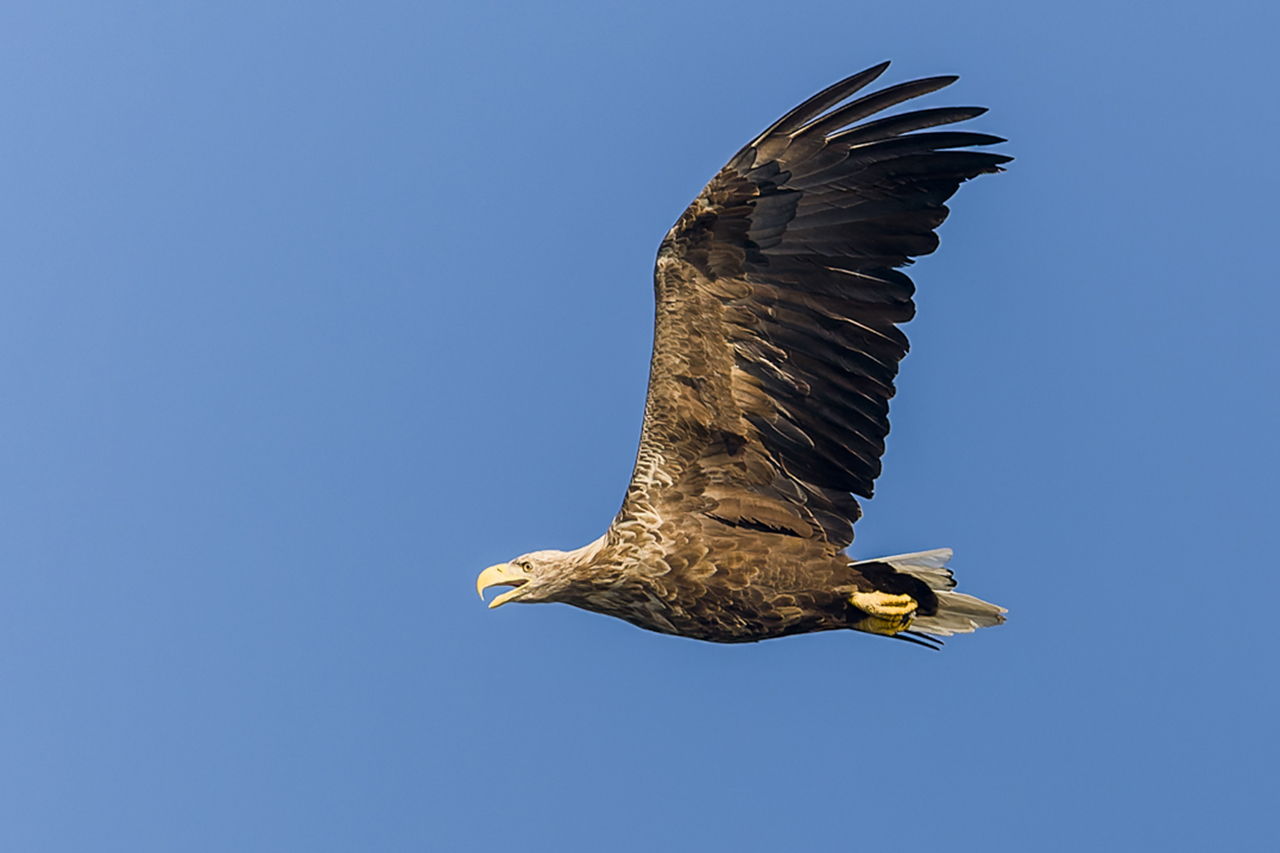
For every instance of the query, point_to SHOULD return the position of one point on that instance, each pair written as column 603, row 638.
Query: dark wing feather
column 778, row 304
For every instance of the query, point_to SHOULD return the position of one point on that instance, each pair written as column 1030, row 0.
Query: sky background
column 310, row 311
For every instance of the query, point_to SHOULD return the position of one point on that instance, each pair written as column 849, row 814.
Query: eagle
column 776, row 344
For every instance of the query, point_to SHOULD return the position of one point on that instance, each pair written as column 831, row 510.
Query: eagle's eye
column 525, row 564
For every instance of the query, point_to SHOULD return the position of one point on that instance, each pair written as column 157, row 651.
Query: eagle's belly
column 724, row 606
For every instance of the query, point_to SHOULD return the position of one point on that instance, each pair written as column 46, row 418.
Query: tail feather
column 957, row 613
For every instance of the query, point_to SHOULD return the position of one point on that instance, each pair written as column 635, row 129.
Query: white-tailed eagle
column 775, row 349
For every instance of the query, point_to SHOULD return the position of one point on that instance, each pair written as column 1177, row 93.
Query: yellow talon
column 886, row 614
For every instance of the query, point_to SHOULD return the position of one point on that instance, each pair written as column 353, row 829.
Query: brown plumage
column 775, row 349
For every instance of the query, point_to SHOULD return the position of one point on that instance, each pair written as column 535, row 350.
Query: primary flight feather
column 776, row 344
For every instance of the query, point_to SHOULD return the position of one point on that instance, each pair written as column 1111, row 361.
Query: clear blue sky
column 310, row 311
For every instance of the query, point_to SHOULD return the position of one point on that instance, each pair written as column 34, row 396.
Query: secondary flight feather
column 776, row 345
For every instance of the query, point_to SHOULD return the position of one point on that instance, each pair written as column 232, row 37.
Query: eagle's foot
column 886, row 613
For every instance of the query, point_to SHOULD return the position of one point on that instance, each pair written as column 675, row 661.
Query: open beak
column 503, row 574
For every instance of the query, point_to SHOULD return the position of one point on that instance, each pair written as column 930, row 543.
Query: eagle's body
column 775, row 350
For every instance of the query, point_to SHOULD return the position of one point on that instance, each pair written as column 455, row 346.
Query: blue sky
column 313, row 310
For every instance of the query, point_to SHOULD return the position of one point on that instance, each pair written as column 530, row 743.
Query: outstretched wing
column 778, row 304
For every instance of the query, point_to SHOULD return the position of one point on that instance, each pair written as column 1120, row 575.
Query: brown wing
column 778, row 304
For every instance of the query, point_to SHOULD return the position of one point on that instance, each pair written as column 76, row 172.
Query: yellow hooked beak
column 503, row 574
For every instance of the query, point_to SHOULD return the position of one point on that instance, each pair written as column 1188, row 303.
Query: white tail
column 957, row 613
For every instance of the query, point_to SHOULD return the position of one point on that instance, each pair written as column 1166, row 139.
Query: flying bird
column 776, row 344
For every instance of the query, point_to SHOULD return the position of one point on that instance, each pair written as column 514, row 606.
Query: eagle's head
column 537, row 576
